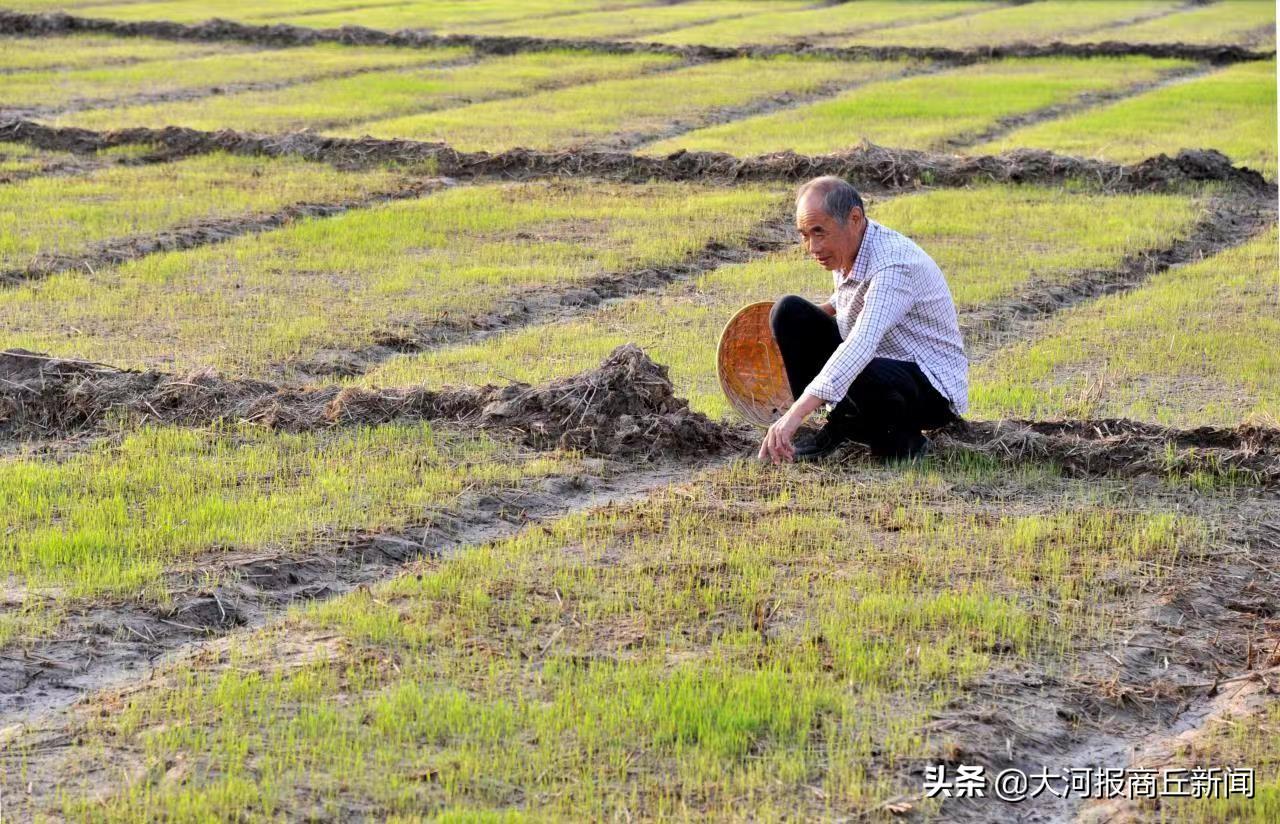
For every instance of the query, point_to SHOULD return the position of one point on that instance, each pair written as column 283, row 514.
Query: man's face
column 831, row 243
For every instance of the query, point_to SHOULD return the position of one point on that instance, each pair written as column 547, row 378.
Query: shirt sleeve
column 888, row 299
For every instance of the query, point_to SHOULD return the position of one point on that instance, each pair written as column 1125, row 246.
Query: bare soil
column 874, row 168
column 282, row 34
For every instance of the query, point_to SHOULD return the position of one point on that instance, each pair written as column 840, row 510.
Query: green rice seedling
column 631, row 108
column 18, row 157
column 764, row 639
column 1036, row 23
column 1240, row 741
column 638, row 20
column 376, row 95
column 818, row 24
column 110, row 521
column 1228, row 21
column 1195, row 345
column 347, row 281
column 920, row 112
column 1232, row 110
column 83, row 51
column 989, row 242
column 103, row 84
column 44, row 218
column 417, row 14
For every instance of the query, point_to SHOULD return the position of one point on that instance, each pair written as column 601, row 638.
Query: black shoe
column 820, row 444
column 900, row 446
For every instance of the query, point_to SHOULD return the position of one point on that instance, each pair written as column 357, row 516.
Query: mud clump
column 626, row 407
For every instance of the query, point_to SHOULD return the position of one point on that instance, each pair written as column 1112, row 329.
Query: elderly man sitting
column 884, row 352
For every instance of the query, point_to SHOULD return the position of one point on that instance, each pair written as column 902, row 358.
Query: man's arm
column 828, row 307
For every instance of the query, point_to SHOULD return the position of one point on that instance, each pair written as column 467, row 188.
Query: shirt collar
column 862, row 262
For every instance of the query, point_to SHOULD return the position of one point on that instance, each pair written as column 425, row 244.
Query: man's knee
column 786, row 310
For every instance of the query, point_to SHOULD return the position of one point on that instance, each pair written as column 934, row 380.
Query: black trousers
column 888, row 404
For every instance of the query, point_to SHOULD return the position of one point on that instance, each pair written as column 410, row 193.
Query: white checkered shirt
column 895, row 304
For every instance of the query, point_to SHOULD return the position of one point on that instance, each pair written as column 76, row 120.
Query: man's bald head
column 833, row 194
column 830, row 219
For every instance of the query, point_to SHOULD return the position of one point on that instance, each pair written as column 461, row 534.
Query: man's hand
column 777, row 441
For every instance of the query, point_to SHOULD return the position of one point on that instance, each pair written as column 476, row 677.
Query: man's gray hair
column 838, row 198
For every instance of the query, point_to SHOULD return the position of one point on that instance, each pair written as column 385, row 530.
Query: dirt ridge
column 1229, row 221
column 873, row 167
column 282, row 34
column 626, row 407
column 1245, row 455
column 203, row 233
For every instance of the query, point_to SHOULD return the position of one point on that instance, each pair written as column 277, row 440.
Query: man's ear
column 856, row 216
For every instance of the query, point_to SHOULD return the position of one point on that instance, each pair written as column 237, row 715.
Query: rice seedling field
column 366, row 451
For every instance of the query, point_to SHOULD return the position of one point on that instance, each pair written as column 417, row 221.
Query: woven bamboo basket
column 750, row 366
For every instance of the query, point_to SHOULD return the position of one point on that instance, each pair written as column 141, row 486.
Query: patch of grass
column 988, row 241
column 920, row 112
column 1039, row 22
column 437, row 15
column 103, row 84
column 637, row 20
column 1226, row 21
column 374, row 96
column 18, row 157
column 82, row 51
column 109, row 522
column 1195, row 345
column 1232, row 110
column 760, row 639
column 819, row 24
column 351, row 279
column 641, row 106
column 47, row 217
